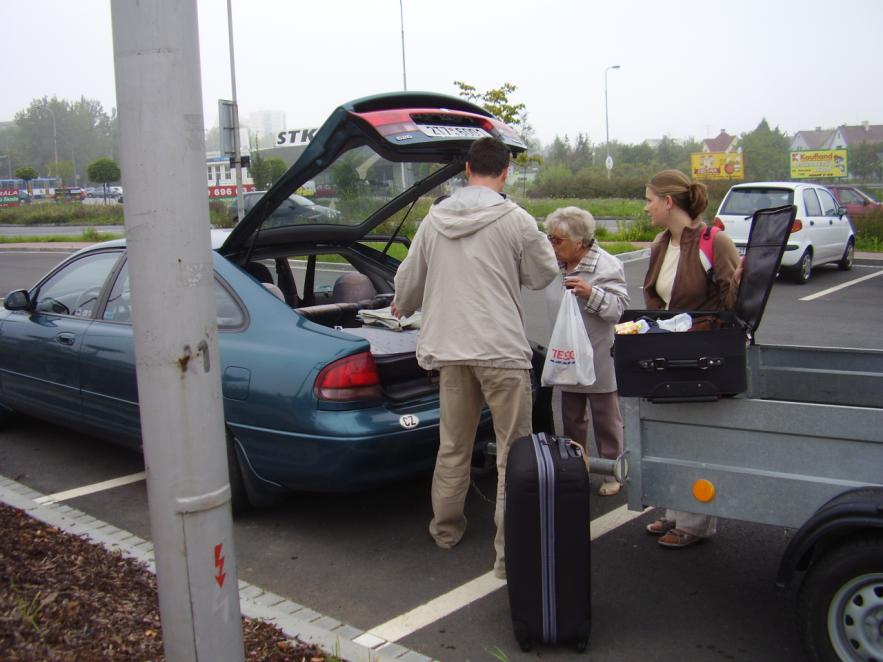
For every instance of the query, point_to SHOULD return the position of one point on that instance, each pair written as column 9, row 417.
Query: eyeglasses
column 555, row 241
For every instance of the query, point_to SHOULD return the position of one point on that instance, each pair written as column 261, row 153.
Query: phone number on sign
column 227, row 191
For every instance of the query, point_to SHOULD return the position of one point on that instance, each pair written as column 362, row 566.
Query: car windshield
column 746, row 201
column 352, row 188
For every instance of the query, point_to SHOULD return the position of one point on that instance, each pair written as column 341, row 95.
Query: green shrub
column 869, row 231
column 71, row 213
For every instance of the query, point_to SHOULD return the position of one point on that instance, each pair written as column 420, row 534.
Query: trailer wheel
column 841, row 603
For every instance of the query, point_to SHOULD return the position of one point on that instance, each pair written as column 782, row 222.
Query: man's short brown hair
column 488, row 156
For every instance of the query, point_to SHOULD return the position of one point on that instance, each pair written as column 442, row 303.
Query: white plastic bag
column 570, row 360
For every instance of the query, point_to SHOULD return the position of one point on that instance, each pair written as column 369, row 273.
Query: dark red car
column 855, row 200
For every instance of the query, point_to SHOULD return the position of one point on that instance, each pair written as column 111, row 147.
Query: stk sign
column 295, row 138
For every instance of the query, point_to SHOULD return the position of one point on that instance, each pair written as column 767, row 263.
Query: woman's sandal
column 609, row 488
column 675, row 539
column 661, row 526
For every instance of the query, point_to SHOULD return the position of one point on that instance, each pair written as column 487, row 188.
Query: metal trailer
column 802, row 448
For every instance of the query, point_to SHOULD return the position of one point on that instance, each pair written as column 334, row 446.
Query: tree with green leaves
column 766, row 154
column 496, row 101
column 77, row 131
column 26, row 173
column 103, row 171
column 864, row 160
column 62, row 170
column 275, row 168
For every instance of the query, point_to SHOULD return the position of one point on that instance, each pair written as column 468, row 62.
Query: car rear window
column 746, row 201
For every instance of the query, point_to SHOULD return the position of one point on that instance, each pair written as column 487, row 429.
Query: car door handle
column 65, row 338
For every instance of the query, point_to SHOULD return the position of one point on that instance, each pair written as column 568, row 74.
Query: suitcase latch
column 701, row 363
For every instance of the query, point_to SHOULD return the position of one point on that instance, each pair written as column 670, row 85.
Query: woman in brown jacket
column 680, row 277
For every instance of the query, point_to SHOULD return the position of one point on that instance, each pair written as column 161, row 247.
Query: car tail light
column 350, row 378
column 718, row 223
column 796, row 226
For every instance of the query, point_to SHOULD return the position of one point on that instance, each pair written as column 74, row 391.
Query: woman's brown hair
column 691, row 196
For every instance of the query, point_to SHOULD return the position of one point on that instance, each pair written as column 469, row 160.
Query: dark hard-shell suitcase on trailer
column 702, row 365
column 547, row 541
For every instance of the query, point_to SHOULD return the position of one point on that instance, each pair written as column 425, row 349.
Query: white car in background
column 822, row 232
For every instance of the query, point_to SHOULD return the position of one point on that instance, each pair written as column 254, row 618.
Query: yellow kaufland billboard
column 818, row 163
column 717, row 165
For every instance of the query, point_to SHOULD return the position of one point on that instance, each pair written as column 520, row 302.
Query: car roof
column 786, row 185
column 388, row 123
column 217, row 236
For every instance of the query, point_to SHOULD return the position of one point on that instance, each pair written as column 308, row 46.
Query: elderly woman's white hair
column 576, row 223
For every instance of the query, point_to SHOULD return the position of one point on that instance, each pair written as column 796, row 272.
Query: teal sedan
column 314, row 397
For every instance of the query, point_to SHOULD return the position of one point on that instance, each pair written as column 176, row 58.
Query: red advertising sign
column 221, row 192
column 8, row 197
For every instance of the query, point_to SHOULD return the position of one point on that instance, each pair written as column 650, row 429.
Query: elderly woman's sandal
column 676, row 538
column 661, row 526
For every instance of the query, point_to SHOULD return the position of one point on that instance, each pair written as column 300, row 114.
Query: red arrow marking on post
column 219, row 564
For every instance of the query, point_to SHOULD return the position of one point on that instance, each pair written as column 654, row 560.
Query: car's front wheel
column 803, row 270
column 848, row 258
column 841, row 603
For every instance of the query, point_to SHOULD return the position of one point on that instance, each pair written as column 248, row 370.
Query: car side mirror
column 17, row 300
column 841, row 211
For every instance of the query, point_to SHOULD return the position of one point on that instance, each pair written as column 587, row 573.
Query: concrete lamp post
column 608, row 161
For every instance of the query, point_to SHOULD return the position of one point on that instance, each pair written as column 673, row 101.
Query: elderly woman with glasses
column 598, row 280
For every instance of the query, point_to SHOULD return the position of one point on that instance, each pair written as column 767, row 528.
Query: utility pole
column 237, row 159
column 171, row 275
column 54, row 141
column 608, row 161
column 404, row 77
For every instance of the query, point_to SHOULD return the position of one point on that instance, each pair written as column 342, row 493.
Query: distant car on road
column 296, row 208
column 856, row 201
column 821, row 234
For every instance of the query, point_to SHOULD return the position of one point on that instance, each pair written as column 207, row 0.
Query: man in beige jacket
column 469, row 259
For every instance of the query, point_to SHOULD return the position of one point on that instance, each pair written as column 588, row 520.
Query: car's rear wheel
column 803, row 270
column 848, row 258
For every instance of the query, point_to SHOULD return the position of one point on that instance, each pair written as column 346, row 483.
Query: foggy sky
column 688, row 69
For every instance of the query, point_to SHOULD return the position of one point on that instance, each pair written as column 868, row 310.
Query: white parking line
column 836, row 288
column 91, row 489
column 444, row 605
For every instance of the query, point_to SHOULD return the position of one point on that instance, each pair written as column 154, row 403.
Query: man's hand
column 395, row 311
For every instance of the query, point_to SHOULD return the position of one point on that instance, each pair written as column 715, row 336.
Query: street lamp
column 404, row 75
column 402, row 21
column 54, row 141
column 608, row 162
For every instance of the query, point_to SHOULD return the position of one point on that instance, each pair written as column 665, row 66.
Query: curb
column 293, row 619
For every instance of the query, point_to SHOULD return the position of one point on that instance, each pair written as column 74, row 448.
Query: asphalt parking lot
column 367, row 559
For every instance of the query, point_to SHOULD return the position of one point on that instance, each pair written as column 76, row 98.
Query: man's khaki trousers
column 463, row 391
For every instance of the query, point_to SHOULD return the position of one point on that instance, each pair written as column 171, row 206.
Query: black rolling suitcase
column 547, row 541
column 709, row 362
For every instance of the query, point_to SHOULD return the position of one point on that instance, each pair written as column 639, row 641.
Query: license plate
column 741, row 250
column 453, row 131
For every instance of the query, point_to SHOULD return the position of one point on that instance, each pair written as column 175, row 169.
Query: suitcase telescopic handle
column 701, row 363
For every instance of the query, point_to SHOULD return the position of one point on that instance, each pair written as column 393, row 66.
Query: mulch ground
column 65, row 599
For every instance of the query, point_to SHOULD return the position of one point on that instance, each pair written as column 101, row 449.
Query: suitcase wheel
column 525, row 645
column 581, row 645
